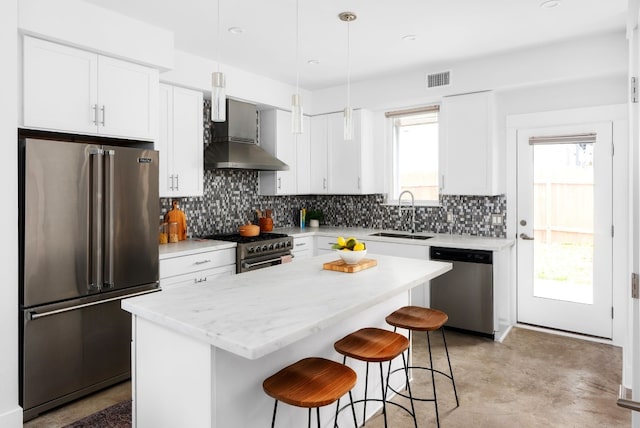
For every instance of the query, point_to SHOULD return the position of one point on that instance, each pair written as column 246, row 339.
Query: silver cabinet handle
column 526, row 237
column 177, row 181
column 279, row 183
column 95, row 114
column 626, row 403
column 324, row 183
column 104, row 115
column 201, row 262
column 199, row 280
column 301, row 244
column 358, row 183
column 171, row 186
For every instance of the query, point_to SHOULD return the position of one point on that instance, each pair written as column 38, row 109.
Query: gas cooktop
column 235, row 237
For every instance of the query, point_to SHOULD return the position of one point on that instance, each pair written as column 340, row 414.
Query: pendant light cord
column 297, row 48
column 218, row 34
column 349, row 63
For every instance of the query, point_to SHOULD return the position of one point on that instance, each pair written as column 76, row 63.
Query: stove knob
column 264, row 248
column 271, row 246
column 288, row 243
column 257, row 249
column 277, row 245
column 250, row 250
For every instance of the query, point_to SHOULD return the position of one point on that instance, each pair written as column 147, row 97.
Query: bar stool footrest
column 418, row 368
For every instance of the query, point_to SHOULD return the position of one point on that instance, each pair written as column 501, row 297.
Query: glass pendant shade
column 297, row 126
column 348, row 123
column 218, row 97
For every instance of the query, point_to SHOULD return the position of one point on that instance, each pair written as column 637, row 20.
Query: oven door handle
column 246, row 265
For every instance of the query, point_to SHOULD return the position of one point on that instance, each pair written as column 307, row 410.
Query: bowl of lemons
column 350, row 250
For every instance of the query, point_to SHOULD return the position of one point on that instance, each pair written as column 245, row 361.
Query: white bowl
column 351, row 257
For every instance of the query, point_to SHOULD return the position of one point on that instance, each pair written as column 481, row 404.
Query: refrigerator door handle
column 108, row 218
column 33, row 315
column 95, row 220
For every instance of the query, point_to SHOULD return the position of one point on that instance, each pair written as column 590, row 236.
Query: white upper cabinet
column 468, row 151
column 180, row 142
column 277, row 139
column 351, row 166
column 302, row 144
column 71, row 90
column 319, row 168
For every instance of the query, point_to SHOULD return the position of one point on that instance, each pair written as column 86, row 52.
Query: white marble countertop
column 438, row 240
column 192, row 246
column 259, row 312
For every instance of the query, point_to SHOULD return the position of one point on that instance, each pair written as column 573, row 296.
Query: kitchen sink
column 401, row 235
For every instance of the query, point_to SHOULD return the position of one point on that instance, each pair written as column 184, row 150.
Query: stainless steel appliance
column 88, row 238
column 465, row 293
column 234, row 145
column 257, row 252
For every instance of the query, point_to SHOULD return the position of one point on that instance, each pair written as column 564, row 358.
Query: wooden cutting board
column 341, row 266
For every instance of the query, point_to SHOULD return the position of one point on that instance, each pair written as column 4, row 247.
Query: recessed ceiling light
column 236, row 30
column 548, row 4
column 313, row 62
column 410, row 37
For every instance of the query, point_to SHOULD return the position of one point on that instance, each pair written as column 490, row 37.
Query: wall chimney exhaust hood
column 233, row 143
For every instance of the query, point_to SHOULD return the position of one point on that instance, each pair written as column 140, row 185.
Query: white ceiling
column 446, row 30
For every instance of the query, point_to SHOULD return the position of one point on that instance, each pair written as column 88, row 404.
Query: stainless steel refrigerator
column 88, row 238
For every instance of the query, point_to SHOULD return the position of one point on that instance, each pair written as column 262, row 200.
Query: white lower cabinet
column 302, row 247
column 323, row 244
column 419, row 294
column 197, row 268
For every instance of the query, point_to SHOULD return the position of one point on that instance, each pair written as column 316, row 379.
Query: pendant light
column 348, row 111
column 218, row 86
column 296, row 101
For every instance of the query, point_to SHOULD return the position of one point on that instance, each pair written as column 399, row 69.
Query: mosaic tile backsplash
column 231, row 198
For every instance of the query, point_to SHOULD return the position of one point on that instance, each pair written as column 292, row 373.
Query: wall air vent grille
column 438, row 79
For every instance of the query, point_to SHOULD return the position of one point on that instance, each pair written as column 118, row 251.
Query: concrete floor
column 533, row 379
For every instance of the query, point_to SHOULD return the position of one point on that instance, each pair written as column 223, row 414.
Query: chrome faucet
column 412, row 208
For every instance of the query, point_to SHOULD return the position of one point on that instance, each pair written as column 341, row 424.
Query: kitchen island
column 201, row 352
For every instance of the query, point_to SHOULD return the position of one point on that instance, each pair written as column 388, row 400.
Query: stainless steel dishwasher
column 465, row 293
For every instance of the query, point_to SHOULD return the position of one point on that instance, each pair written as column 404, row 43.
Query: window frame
column 392, row 180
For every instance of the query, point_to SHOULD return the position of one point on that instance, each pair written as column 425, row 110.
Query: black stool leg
column 366, row 386
column 455, row 391
column 406, row 374
column 353, row 410
column 309, row 419
column 273, row 420
column 384, row 395
column 433, row 380
column 318, row 416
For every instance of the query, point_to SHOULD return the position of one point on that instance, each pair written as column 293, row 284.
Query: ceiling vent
column 438, row 79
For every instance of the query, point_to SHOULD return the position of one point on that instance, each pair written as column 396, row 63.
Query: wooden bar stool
column 309, row 383
column 375, row 345
column 417, row 318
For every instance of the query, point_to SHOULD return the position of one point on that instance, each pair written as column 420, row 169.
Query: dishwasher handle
column 461, row 255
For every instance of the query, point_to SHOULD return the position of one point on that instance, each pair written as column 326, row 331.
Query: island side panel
column 241, row 402
column 172, row 378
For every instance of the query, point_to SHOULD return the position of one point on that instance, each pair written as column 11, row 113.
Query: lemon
column 346, row 249
column 358, row 247
column 341, row 241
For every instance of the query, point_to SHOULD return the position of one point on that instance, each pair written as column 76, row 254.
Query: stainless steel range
column 257, row 252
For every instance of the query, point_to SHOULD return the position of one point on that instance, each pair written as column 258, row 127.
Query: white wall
column 86, row 26
column 573, row 60
column 195, row 72
column 10, row 413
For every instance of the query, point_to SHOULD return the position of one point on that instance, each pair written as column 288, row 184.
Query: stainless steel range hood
column 233, row 143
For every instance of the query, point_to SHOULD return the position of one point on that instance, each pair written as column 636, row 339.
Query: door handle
column 526, row 237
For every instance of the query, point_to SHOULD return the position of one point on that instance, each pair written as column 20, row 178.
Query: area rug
column 116, row 416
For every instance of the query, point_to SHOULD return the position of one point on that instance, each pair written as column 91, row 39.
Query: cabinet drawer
column 301, row 244
column 196, row 262
column 200, row 277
